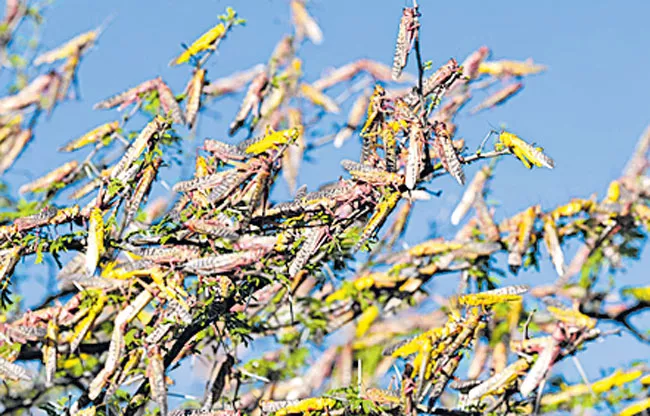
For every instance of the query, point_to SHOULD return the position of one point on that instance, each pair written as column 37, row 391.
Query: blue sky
column 587, row 110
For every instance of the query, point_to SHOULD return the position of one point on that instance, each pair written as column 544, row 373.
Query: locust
column 11, row 371
column 224, row 189
column 464, row 386
column 94, row 136
column 355, row 117
column 128, row 97
column 500, row 381
column 521, row 237
column 338, row 75
column 10, row 125
column 319, row 99
column 194, row 92
column 542, row 365
column 572, row 329
column 398, row 227
column 167, row 254
column 257, row 90
column 270, row 141
column 83, row 327
column 636, row 408
column 7, row 232
column 445, row 375
column 16, row 144
column 156, row 375
column 129, row 364
column 259, row 169
column 8, row 260
column 254, row 242
column 220, row 372
column 530, row 345
column 141, row 191
column 203, row 182
column 640, row 293
column 149, row 134
column 293, row 155
column 232, row 83
column 470, row 328
column 472, row 251
column 411, row 346
column 381, row 72
column 51, row 179
column 552, row 241
column 375, row 113
column 371, row 175
column 366, row 319
column 617, row 379
column 13, row 12
column 65, row 215
column 91, row 185
column 116, row 347
column 473, row 62
column 414, row 162
column 36, row 220
column 314, row 238
column 437, row 83
column 283, row 51
column 572, row 317
column 385, row 398
column 95, row 244
column 528, row 154
column 432, row 248
column 473, row 192
column 74, row 266
column 305, row 23
column 383, row 209
column 255, row 193
column 221, row 263
column 348, row 71
column 213, row 228
column 447, row 153
column 29, row 95
column 224, row 151
column 575, row 207
column 201, row 167
column 485, row 220
column 207, row 41
column 491, row 297
column 277, row 94
column 74, row 46
column 434, row 359
column 324, row 199
column 18, row 333
column 54, row 92
column 168, row 102
column 128, row 270
column 65, row 81
column 375, row 281
column 403, row 115
column 307, row 406
column 268, row 406
column 498, row 97
column 510, row 68
column 408, row 32
column 172, row 316
column 49, row 351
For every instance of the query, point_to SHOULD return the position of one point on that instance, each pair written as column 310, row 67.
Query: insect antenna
column 484, row 141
